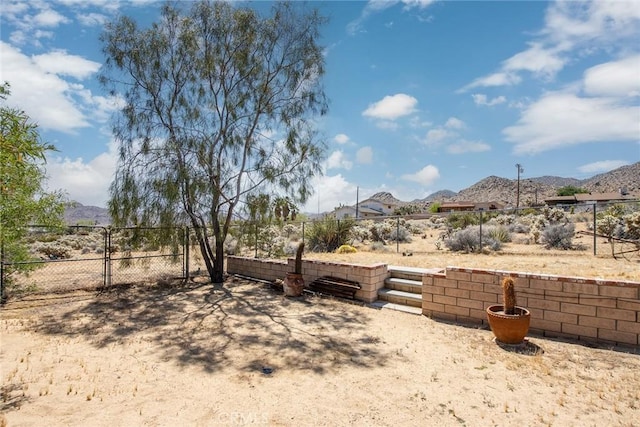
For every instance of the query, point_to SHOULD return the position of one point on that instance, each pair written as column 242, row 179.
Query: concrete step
column 412, row 286
column 398, row 307
column 410, row 273
column 400, row 297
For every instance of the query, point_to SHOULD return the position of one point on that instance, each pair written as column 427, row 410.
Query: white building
column 366, row 209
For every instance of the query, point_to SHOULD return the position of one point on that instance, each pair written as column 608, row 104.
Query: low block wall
column 572, row 307
column 370, row 277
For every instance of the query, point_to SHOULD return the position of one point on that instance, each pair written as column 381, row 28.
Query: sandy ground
column 198, row 355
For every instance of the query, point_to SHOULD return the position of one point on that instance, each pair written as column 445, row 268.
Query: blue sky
column 424, row 95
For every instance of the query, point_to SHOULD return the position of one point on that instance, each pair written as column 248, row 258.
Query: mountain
column 78, row 214
column 535, row 190
column 387, row 197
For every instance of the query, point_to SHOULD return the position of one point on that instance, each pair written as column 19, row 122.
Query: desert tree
column 219, row 102
column 23, row 199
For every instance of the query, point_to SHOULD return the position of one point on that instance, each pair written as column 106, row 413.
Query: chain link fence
column 603, row 229
column 90, row 257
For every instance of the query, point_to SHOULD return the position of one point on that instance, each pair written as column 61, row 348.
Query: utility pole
column 357, row 200
column 520, row 170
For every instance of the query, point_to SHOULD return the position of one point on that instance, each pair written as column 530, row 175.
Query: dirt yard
column 245, row 355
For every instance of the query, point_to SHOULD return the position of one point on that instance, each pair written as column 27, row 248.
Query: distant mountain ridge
column 504, row 190
column 78, row 214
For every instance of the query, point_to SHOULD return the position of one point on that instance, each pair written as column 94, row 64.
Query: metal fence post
column 256, row 242
column 398, row 235
column 594, row 229
column 107, row 257
column 480, row 231
column 303, row 232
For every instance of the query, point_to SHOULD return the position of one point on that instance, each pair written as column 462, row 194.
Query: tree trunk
column 218, row 264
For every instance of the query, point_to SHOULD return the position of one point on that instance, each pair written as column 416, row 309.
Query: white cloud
column 364, row 155
column 49, row 18
column 392, row 107
column 436, row 136
column 337, row 160
column 571, row 30
column 341, row 138
column 602, row 166
column 375, row 6
column 87, row 183
column 454, row 123
column 51, row 101
column 464, row 146
column 92, row 19
column 617, row 78
column 563, row 119
column 481, row 99
column 330, row 192
column 425, row 176
column 61, row 63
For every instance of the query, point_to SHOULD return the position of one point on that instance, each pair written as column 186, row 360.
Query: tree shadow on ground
column 242, row 324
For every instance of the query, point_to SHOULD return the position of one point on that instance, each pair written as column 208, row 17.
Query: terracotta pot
column 509, row 328
column 293, row 285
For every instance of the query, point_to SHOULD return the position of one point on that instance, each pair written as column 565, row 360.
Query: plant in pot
column 509, row 322
column 294, row 282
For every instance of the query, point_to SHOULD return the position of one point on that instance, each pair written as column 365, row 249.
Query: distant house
column 469, row 206
column 591, row 198
column 366, row 209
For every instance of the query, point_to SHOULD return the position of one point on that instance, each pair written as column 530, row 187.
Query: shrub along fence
column 611, row 229
column 85, row 257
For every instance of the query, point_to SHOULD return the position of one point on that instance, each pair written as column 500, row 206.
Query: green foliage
column 204, row 90
column 22, row 197
column 406, row 210
column 499, row 233
column 346, row 249
column 462, row 220
column 328, row 234
column 570, row 190
column 434, row 207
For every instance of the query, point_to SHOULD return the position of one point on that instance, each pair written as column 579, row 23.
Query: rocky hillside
column 78, row 214
column 504, row 190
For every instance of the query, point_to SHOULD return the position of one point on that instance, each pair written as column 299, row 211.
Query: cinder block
column 432, row 306
column 619, row 292
column 620, row 337
column 427, row 280
column 447, row 283
column 560, row 317
column 495, row 289
column 471, row 286
column 458, row 275
column 454, row 292
column 441, row 299
column 436, row 290
column 547, row 285
column 615, row 313
column 484, row 296
column 597, row 301
column 633, row 327
column 580, row 288
column 484, row 278
column 561, row 296
column 454, row 309
column 582, row 331
column 597, row 322
column 628, row 304
column 479, row 305
column 478, row 314
column 543, row 304
column 585, row 310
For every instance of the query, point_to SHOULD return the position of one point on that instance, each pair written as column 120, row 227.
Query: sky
column 424, row 95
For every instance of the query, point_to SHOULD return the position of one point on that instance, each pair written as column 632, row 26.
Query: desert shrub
column 270, row 240
column 462, row 220
column 558, row 236
column 519, row 227
column 468, row 240
column 53, row 251
column 231, row 245
column 329, row 234
column 378, row 247
column 360, row 231
column 500, row 233
column 607, row 225
column 554, row 214
column 632, row 225
column 417, row 226
column 503, row 219
column 346, row 249
column 291, row 231
column 400, row 234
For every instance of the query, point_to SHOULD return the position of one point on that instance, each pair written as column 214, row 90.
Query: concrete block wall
column 370, row 277
column 587, row 309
